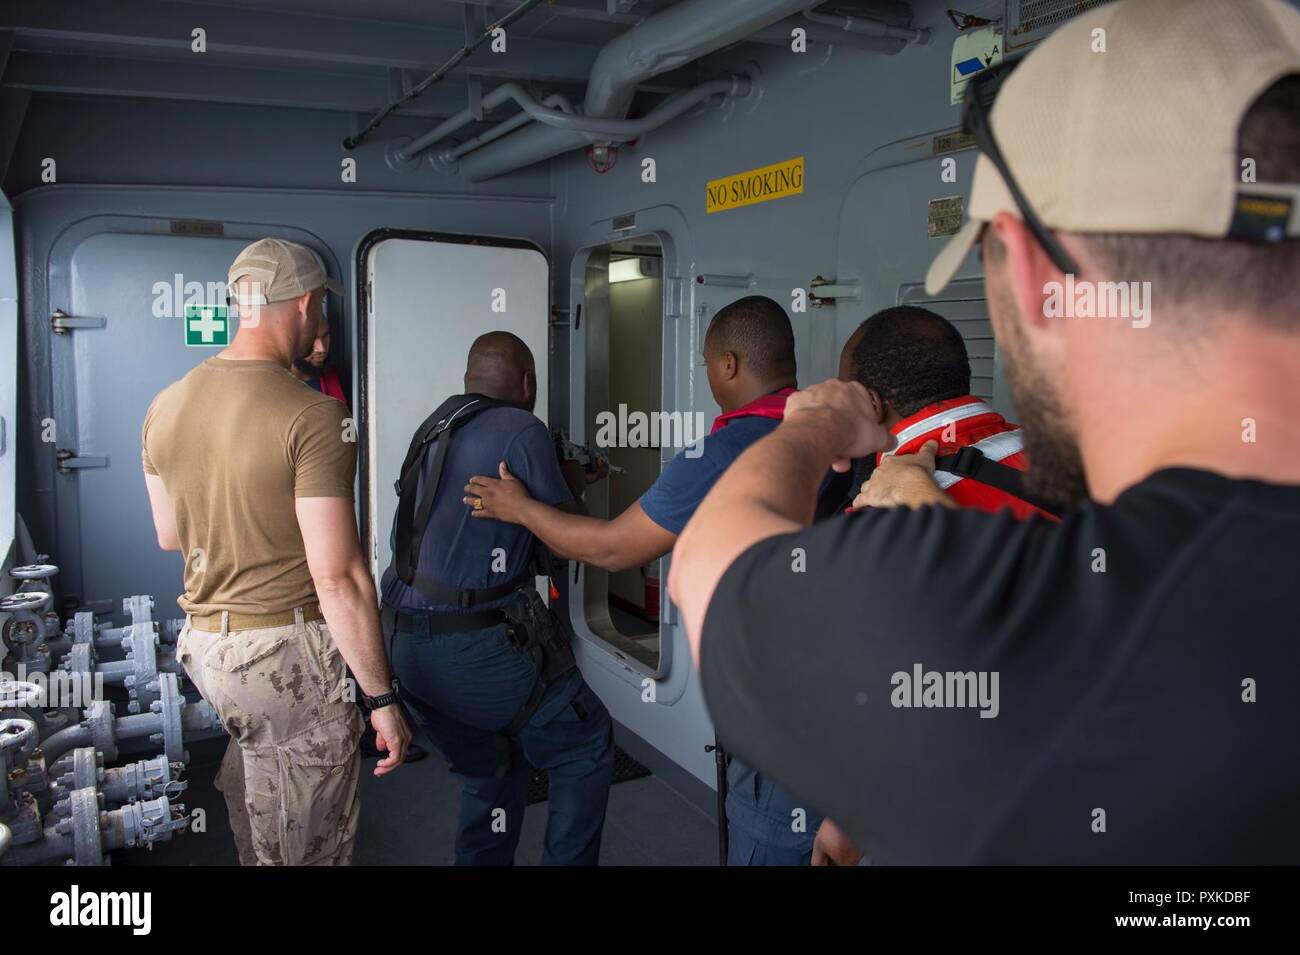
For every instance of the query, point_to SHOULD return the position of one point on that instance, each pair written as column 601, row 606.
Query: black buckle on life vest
column 966, row 462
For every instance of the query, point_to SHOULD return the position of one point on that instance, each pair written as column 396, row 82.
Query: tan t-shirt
column 234, row 443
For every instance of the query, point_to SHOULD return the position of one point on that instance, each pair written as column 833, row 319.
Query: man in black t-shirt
column 956, row 687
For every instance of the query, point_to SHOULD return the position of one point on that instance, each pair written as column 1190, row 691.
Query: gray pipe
column 679, row 35
column 532, row 144
column 136, row 725
column 65, row 740
column 625, row 129
column 115, row 672
column 581, row 130
column 592, row 128
column 869, row 26
column 664, row 41
column 554, row 101
column 779, row 35
column 52, row 848
column 498, row 97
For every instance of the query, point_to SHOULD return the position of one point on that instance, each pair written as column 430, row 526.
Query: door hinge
column 62, row 323
column 67, row 461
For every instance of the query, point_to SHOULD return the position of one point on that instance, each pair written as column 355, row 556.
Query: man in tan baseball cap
column 275, row 270
column 1143, row 162
column 1135, row 204
column 250, row 475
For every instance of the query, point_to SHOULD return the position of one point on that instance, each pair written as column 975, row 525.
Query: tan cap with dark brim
column 282, row 271
column 1133, row 129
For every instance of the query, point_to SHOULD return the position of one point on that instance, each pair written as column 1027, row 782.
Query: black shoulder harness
column 413, row 514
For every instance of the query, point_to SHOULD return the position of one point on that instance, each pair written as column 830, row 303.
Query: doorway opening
column 623, row 311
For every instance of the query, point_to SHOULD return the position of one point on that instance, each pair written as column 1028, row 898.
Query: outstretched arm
column 627, row 541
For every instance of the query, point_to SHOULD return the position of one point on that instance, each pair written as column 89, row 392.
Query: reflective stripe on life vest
column 940, row 419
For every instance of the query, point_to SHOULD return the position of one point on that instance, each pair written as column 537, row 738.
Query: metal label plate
column 944, row 216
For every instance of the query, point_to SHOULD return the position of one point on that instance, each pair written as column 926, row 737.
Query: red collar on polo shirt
column 765, row 406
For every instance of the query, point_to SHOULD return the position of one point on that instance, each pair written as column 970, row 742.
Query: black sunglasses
column 976, row 108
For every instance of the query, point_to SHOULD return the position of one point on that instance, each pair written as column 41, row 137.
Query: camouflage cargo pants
column 291, row 771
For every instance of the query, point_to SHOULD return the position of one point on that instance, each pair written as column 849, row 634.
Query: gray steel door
column 105, row 378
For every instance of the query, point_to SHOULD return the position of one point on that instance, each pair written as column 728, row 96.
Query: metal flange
column 394, row 159
column 87, row 845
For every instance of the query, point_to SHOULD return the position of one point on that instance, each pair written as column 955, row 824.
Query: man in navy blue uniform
column 450, row 614
column 750, row 359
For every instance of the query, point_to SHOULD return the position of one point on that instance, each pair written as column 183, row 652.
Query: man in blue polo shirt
column 461, row 660
column 750, row 358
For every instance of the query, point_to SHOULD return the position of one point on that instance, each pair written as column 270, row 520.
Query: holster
column 535, row 629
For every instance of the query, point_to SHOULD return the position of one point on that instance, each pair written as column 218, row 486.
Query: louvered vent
column 1028, row 21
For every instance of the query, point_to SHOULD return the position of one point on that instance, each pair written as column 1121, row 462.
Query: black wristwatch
column 372, row 703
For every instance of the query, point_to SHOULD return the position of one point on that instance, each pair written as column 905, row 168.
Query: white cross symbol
column 207, row 325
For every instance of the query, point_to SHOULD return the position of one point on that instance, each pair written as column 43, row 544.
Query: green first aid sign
column 206, row 325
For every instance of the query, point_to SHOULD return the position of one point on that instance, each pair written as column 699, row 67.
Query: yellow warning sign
column 758, row 185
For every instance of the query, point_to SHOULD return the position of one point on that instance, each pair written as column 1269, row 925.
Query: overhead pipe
column 595, row 128
column 673, row 38
column 604, row 130
column 625, row 129
column 884, row 30
column 779, row 35
column 868, row 26
column 894, row 12
column 662, row 42
column 498, row 97
column 554, row 101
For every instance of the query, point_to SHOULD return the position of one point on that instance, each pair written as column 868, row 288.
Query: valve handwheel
column 23, row 601
column 34, row 572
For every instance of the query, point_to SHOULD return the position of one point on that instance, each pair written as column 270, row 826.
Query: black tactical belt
column 437, row 623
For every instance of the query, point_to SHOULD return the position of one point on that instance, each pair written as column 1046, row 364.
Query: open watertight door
column 425, row 298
